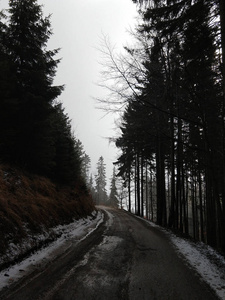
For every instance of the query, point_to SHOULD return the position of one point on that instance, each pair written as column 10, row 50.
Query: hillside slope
column 30, row 206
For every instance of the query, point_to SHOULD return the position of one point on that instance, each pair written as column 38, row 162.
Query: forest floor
column 115, row 255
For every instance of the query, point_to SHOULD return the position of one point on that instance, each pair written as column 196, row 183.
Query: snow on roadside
column 110, row 216
column 76, row 231
column 208, row 263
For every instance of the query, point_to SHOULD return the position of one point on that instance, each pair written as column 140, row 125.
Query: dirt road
column 124, row 258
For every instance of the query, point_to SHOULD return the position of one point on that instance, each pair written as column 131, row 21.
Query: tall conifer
column 100, row 181
column 113, row 195
column 34, row 66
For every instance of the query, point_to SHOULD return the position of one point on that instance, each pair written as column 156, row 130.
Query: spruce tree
column 34, row 68
column 8, row 101
column 86, row 164
column 100, row 181
column 182, row 92
column 66, row 166
column 113, row 196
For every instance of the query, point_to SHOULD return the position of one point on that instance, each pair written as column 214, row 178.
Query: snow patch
column 208, row 263
column 110, row 216
column 73, row 232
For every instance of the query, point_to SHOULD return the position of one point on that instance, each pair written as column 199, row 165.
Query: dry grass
column 31, row 202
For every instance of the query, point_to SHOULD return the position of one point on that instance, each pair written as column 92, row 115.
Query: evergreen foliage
column 172, row 132
column 113, row 195
column 35, row 132
column 100, row 183
column 86, row 165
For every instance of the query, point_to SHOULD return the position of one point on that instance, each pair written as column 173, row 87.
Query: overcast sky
column 77, row 27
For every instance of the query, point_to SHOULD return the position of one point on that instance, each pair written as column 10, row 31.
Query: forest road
column 124, row 258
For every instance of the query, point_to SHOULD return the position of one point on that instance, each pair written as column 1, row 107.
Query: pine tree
column 86, row 164
column 180, row 86
column 113, row 196
column 66, row 166
column 91, row 187
column 8, row 101
column 100, row 181
column 34, row 68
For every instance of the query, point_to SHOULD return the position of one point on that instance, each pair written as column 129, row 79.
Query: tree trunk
column 129, row 192
column 193, row 199
column 138, row 185
column 142, row 185
column 151, row 198
column 146, row 190
column 172, row 181
column 222, row 24
column 201, row 207
column 160, row 176
column 210, row 204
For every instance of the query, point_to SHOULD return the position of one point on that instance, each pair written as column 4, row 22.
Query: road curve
column 124, row 258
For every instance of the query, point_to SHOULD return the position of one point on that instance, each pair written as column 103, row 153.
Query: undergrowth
column 31, row 204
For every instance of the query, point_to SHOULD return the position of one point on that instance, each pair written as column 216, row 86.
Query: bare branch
column 121, row 76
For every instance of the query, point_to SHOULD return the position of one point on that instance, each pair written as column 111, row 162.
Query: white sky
column 77, row 27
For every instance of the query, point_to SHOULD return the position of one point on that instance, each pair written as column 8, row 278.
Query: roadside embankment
column 30, row 206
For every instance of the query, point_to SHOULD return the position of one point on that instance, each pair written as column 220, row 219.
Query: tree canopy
column 35, row 132
column 171, row 83
column 100, row 182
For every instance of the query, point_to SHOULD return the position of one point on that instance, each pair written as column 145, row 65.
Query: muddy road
column 124, row 258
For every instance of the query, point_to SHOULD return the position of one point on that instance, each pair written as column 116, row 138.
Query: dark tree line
column 35, row 132
column 173, row 128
